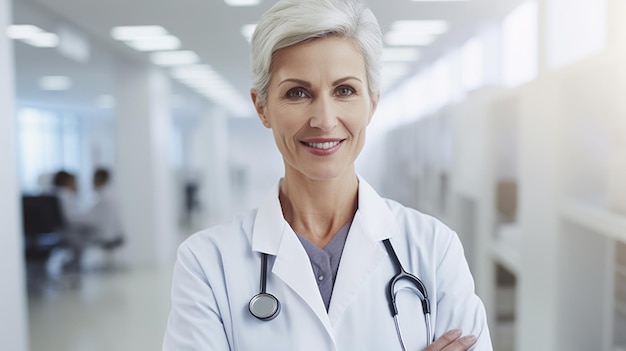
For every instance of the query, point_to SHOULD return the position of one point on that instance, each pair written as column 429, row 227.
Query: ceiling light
column 127, row 33
column 408, row 39
column 54, row 83
column 167, row 42
column 174, row 58
column 247, row 30
column 32, row 35
column 22, row 31
column 415, row 33
column 194, row 73
column 43, row 40
column 420, row 26
column 238, row 3
column 400, row 54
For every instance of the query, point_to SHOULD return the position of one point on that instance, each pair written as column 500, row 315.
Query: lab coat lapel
column 273, row 235
column 363, row 250
column 292, row 265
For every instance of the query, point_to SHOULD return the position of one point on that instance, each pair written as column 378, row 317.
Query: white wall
column 144, row 176
column 13, row 328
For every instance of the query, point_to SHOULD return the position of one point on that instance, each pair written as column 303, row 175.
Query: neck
column 318, row 209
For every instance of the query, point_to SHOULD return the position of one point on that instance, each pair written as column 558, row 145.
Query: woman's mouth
column 323, row 146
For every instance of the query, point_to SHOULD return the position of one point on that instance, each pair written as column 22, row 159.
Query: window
column 576, row 29
column 519, row 45
column 47, row 142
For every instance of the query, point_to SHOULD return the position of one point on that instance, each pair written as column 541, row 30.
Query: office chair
column 43, row 225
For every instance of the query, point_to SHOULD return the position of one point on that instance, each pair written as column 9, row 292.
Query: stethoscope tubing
column 265, row 306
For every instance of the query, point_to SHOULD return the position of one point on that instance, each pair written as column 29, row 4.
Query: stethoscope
column 266, row 306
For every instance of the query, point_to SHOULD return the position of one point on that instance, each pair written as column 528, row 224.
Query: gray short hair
column 290, row 22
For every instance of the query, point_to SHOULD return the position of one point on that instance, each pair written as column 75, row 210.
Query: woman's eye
column 296, row 93
column 345, row 91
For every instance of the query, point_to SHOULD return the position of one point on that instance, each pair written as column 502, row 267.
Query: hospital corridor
column 128, row 126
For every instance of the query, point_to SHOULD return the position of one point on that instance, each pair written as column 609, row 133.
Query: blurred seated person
column 77, row 228
column 65, row 188
column 98, row 225
column 104, row 217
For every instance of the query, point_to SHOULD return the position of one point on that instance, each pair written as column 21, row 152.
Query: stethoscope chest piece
column 264, row 306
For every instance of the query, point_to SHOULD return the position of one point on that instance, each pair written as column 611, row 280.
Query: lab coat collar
column 270, row 225
column 372, row 223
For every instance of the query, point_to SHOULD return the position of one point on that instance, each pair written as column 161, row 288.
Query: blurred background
column 506, row 119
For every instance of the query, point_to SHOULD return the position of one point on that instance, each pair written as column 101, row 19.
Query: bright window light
column 472, row 64
column 174, row 58
column 167, row 42
column 441, row 82
column 237, row 3
column 519, row 45
column 128, row 33
column 575, row 30
column 247, row 30
column 55, row 83
column 400, row 54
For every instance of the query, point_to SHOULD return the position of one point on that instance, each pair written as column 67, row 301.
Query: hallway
column 122, row 311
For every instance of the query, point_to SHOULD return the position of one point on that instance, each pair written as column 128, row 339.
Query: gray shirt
column 325, row 262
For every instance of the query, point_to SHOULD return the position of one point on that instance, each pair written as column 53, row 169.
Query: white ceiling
column 209, row 27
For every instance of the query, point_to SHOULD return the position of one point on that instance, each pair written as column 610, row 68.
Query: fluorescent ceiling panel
column 167, row 42
column 237, row 3
column 174, row 58
column 55, row 83
column 23, row 31
column 127, row 33
column 32, row 35
column 420, row 26
column 43, row 40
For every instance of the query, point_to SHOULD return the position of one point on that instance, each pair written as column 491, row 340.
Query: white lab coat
column 218, row 271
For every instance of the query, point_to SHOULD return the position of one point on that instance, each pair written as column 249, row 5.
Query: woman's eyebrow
column 341, row 80
column 308, row 85
column 297, row 81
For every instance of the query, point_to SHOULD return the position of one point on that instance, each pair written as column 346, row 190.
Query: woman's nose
column 324, row 114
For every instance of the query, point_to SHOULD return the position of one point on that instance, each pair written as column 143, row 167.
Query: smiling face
column 318, row 107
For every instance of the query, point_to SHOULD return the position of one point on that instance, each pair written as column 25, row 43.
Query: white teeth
column 326, row 145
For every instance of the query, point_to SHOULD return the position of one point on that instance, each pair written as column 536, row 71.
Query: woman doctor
column 310, row 269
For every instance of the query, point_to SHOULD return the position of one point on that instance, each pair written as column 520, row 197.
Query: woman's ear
column 374, row 105
column 259, row 107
